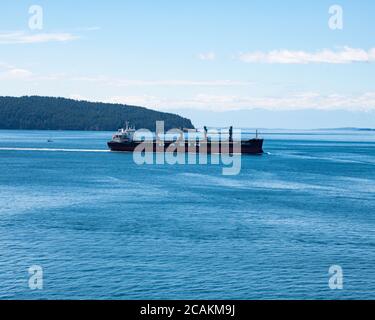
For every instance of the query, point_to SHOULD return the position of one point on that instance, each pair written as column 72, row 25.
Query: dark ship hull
column 252, row 146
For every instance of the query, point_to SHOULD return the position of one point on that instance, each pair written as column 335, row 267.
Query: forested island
column 49, row 113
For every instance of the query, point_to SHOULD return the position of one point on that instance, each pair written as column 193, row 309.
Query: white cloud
column 300, row 101
column 9, row 72
column 209, row 56
column 120, row 82
column 18, row 74
column 343, row 56
column 305, row 100
column 143, row 100
column 123, row 82
column 21, row 37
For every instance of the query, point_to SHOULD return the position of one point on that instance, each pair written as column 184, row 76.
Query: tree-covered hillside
column 47, row 113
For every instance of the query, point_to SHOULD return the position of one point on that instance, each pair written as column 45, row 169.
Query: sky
column 213, row 61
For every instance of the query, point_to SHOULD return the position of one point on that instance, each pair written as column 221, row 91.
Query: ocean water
column 101, row 226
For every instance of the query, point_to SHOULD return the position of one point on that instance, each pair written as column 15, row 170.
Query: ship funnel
column 205, row 132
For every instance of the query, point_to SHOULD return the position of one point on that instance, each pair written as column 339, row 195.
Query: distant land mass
column 49, row 113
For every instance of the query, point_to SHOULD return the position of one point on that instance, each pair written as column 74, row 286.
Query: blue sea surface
column 102, row 227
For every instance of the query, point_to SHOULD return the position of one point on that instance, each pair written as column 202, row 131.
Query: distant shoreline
column 49, row 113
column 247, row 129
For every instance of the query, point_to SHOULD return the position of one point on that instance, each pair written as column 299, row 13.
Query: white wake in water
column 52, row 150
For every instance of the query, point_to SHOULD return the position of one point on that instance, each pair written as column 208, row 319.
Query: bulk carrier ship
column 125, row 140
